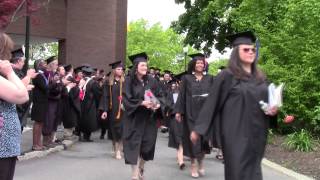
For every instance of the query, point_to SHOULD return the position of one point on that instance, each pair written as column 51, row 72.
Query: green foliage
column 215, row 65
column 164, row 47
column 300, row 141
column 289, row 34
column 43, row 51
column 271, row 136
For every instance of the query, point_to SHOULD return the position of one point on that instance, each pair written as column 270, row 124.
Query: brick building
column 88, row 31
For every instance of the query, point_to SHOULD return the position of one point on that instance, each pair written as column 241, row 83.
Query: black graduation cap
column 87, row 70
column 157, row 69
column 152, row 68
column 173, row 81
column 17, row 53
column 140, row 57
column 197, row 56
column 246, row 37
column 50, row 59
column 77, row 69
column 67, row 67
column 116, row 64
column 179, row 76
column 167, row 72
column 85, row 65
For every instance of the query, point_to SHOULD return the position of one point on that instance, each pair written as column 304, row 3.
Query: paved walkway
column 94, row 161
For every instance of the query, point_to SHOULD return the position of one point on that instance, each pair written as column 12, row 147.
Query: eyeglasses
column 246, row 50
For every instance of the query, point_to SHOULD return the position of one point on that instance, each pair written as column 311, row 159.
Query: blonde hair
column 6, row 46
column 111, row 78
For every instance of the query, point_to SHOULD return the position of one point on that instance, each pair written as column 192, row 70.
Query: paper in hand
column 275, row 95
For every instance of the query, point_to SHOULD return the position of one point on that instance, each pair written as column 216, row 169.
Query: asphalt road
column 94, row 161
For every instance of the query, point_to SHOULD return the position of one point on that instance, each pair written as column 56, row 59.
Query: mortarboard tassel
column 257, row 48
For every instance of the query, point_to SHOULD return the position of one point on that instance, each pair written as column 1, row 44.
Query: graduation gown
column 139, row 123
column 71, row 107
column 243, row 126
column 112, row 93
column 53, row 114
column 22, row 109
column 40, row 98
column 88, row 121
column 191, row 98
column 176, row 128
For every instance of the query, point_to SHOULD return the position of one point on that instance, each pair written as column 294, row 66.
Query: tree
column 288, row 32
column 164, row 47
column 9, row 10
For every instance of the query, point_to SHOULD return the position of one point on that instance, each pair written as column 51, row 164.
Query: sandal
column 141, row 171
column 194, row 171
column 38, row 148
column 182, row 166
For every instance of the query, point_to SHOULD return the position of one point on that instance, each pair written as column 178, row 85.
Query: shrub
column 300, row 141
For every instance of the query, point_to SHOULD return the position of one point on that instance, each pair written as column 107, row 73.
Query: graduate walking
column 193, row 92
column 111, row 102
column 234, row 102
column 140, row 103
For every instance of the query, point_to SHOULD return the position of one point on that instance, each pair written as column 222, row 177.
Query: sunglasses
column 246, row 50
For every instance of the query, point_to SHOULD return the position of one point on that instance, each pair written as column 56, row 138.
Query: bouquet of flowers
column 149, row 96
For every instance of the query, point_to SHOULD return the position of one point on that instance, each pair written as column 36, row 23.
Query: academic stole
column 119, row 99
column 83, row 90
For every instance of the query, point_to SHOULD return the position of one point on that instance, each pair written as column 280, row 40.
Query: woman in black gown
column 111, row 102
column 139, row 125
column 234, row 102
column 175, row 130
column 194, row 91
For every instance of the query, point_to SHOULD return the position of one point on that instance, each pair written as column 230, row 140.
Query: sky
column 163, row 11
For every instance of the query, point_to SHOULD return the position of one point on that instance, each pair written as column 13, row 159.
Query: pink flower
column 149, row 93
column 288, row 119
column 120, row 98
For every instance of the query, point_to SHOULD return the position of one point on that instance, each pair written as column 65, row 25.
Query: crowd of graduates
column 198, row 110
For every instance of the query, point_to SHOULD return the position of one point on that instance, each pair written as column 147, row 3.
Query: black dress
column 139, row 123
column 112, row 93
column 243, row 126
column 88, row 122
column 176, row 128
column 40, row 98
column 71, row 107
column 192, row 96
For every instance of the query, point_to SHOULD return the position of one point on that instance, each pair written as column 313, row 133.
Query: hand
column 72, row 85
column 194, row 137
column 65, row 81
column 104, row 115
column 5, row 68
column 156, row 106
column 82, row 82
column 178, row 117
column 30, row 87
column 272, row 111
column 147, row 104
column 31, row 73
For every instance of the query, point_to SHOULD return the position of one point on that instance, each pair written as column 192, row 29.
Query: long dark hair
column 133, row 75
column 236, row 68
column 192, row 65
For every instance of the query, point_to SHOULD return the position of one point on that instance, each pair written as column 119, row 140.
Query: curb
column 284, row 170
column 39, row 154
